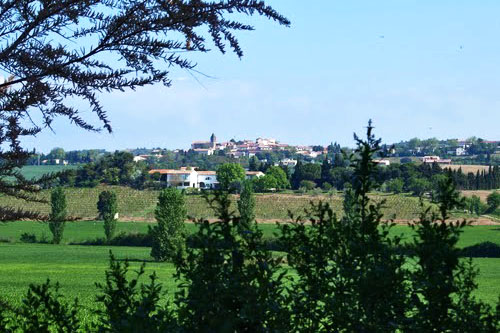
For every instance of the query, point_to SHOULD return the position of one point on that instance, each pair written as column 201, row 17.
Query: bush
column 394, row 185
column 307, row 185
column 107, row 207
column 169, row 236
column 474, row 205
column 493, row 201
column 57, row 218
column 326, row 187
column 28, row 238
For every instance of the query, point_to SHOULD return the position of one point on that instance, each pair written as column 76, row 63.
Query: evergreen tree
column 246, row 206
column 297, row 175
column 57, row 219
column 253, row 164
column 169, row 235
column 107, row 207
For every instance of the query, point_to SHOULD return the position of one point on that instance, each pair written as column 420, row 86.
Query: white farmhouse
column 207, row 179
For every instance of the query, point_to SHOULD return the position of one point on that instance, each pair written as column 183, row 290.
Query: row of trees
column 106, row 205
column 350, row 274
column 481, row 180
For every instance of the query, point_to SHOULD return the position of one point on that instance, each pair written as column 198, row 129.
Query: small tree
column 395, row 185
column 107, row 207
column 246, row 206
column 169, row 234
column 493, row 201
column 280, row 176
column 229, row 173
column 58, row 214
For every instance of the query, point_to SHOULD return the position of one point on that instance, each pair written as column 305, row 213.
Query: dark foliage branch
column 58, row 52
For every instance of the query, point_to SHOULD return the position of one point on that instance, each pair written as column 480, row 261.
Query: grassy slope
column 140, row 205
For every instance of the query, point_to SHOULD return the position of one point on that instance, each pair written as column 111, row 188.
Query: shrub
column 326, row 187
column 493, row 201
column 58, row 214
column 394, row 185
column 28, row 238
column 474, row 205
column 107, row 207
column 307, row 185
column 169, row 236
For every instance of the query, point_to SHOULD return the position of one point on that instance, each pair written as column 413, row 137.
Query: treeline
column 71, row 157
column 484, row 180
column 117, row 168
column 396, row 178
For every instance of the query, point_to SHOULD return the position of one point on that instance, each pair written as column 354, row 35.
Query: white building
column 382, row 162
column 190, row 178
column 207, row 179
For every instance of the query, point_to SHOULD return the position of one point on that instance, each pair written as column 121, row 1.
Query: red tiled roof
column 207, row 173
column 169, row 171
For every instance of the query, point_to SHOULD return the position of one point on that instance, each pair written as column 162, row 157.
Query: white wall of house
column 207, row 181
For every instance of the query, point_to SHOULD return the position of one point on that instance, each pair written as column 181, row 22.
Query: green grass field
column 77, row 268
column 37, row 171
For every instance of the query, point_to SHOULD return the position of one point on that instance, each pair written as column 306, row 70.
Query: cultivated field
column 135, row 205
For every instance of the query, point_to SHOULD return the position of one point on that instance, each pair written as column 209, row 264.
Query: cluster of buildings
column 187, row 177
column 249, row 148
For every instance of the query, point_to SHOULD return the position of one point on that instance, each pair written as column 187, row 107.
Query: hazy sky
column 417, row 68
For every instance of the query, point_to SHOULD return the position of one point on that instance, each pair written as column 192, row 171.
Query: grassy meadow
column 77, row 267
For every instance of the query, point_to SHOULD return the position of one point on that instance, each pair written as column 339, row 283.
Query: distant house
column 287, row 162
column 435, row 159
column 188, row 177
column 253, row 174
column 181, row 179
column 204, row 151
column 382, row 162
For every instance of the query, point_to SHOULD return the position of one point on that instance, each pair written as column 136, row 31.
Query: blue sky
column 417, row 68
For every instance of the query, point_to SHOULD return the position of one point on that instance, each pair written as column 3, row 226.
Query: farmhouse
column 435, row 159
column 188, row 177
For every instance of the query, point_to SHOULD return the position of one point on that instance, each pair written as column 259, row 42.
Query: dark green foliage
column 28, row 238
column 57, row 218
column 280, row 176
column 443, row 285
column 246, row 206
column 42, row 310
column 493, row 201
column 107, row 207
column 474, row 205
column 169, row 236
column 129, row 306
column 394, row 185
column 419, row 186
column 307, row 185
column 349, row 279
column 230, row 283
column 228, row 174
